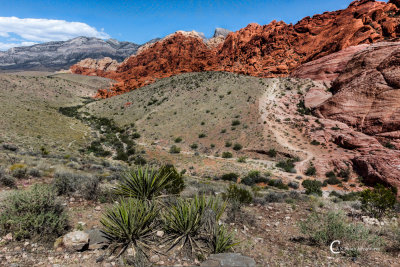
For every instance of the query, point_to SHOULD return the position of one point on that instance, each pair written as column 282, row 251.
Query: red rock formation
column 266, row 51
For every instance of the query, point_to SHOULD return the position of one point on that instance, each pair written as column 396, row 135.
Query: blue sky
column 140, row 21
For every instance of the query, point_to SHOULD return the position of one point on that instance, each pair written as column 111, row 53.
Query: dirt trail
column 268, row 105
column 84, row 133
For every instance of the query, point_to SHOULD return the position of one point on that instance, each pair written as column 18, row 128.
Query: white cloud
column 45, row 30
column 6, row 46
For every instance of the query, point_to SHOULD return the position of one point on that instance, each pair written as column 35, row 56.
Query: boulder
column 76, row 241
column 228, row 260
column 97, row 239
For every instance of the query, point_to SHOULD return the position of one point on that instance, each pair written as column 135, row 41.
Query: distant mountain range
column 53, row 56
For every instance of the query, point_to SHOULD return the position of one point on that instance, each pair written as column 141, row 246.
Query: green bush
column 287, row 165
column 278, row 184
column 228, row 143
column 130, row 222
column 378, row 202
column 227, row 155
column 33, row 214
column 242, row 159
column 194, row 146
column 237, row 147
column 238, row 194
column 174, row 150
column 7, row 180
column 230, row 177
column 272, row 153
column 332, row 179
column 312, row 187
column 176, row 184
column 202, row 135
column 143, row 183
column 311, row 170
column 19, row 173
column 254, row 177
column 235, row 122
column 323, row 229
column 66, row 183
column 139, row 160
column 178, row 139
column 135, row 135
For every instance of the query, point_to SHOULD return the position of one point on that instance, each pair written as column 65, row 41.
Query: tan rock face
column 272, row 50
column 91, row 66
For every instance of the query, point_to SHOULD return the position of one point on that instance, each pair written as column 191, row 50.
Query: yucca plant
column 130, row 222
column 143, row 183
column 187, row 220
column 223, row 240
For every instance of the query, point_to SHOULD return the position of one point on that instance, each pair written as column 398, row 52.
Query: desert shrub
column 294, row 185
column 235, row 122
column 121, row 155
column 66, row 183
column 242, row 159
column 272, row 153
column 194, row 146
column 254, row 177
column 237, row 147
column 228, row 143
column 174, row 150
column 34, row 213
column 227, row 155
column 312, row 187
column 19, row 170
column 139, row 160
column 97, row 149
column 323, row 229
column 230, row 177
column 135, row 135
column 130, row 222
column 352, row 196
column 311, row 170
column 35, row 172
column 278, row 183
column 178, row 139
column 345, row 174
column 315, row 143
column 238, row 194
column 287, row 165
column 274, row 197
column 177, row 183
column 378, row 202
column 332, row 179
column 6, row 180
column 202, row 135
column 143, row 183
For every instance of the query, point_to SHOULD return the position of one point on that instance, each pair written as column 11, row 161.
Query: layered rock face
column 366, row 99
column 265, row 51
column 95, row 67
column 53, row 56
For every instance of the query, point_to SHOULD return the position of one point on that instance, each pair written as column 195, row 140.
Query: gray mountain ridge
column 52, row 56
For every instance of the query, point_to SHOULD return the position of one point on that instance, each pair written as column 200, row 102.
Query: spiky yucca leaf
column 185, row 219
column 223, row 240
column 143, row 183
column 129, row 221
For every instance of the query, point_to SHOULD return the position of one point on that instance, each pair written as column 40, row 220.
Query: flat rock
column 228, row 260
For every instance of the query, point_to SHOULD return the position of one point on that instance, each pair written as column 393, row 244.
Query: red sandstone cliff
column 266, row 51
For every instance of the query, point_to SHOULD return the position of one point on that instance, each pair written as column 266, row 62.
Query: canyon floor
column 206, row 124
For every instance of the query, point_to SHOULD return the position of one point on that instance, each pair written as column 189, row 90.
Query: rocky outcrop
column 363, row 112
column 327, row 68
column 95, row 67
column 366, row 94
column 53, row 56
column 229, row 259
column 272, row 50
